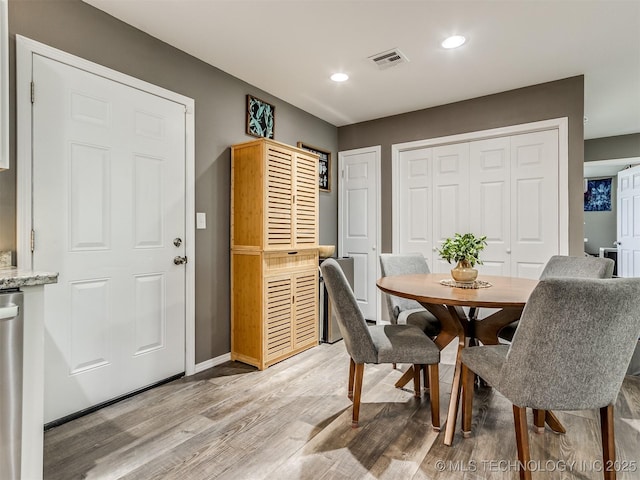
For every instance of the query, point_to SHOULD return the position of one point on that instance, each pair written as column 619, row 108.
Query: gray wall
column 82, row 30
column 608, row 148
column 600, row 227
column 562, row 98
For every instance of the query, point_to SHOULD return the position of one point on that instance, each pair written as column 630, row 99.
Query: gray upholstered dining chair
column 378, row 343
column 560, row 266
column 570, row 352
column 403, row 310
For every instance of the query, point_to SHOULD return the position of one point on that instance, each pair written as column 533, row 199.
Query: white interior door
column 489, row 207
column 534, row 202
column 359, row 228
column 413, row 214
column 450, row 197
column 629, row 222
column 108, row 202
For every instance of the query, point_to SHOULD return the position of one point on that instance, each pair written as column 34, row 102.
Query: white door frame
column 561, row 124
column 377, row 150
column 25, row 49
column 622, row 271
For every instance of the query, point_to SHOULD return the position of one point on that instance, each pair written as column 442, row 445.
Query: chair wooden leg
column 468, row 382
column 352, row 369
column 522, row 441
column 434, row 395
column 608, row 442
column 405, row 378
column 538, row 420
column 357, row 391
column 416, row 380
column 394, row 365
column 425, row 377
column 554, row 423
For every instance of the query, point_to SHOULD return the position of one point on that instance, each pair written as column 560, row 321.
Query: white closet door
column 415, row 203
column 489, row 167
column 450, row 196
column 534, row 202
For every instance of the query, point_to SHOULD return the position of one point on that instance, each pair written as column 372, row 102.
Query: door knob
column 180, row 260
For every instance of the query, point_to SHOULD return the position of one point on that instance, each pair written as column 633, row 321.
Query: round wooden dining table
column 507, row 294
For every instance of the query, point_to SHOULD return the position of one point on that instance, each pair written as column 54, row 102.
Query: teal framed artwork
column 261, row 118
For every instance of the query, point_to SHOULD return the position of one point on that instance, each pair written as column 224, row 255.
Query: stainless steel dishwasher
column 11, row 338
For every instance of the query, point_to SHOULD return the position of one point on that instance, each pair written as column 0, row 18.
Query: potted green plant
column 465, row 250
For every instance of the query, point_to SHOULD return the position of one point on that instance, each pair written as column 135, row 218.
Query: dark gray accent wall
column 608, row 148
column 561, row 98
column 82, row 30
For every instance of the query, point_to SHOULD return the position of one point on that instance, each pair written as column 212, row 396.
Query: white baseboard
column 212, row 362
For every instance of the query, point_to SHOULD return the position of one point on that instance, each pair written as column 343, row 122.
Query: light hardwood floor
column 292, row 421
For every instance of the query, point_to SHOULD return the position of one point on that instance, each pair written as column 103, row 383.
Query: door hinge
column 33, row 92
column 32, row 240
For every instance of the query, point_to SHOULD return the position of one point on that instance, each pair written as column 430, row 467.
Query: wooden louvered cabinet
column 274, row 257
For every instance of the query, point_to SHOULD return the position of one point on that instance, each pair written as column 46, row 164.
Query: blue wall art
column 597, row 197
column 261, row 117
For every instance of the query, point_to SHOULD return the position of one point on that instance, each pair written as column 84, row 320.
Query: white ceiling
column 289, row 49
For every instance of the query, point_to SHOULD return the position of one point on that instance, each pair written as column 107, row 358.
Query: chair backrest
column 401, row 264
column 560, row 266
column 353, row 326
column 573, row 345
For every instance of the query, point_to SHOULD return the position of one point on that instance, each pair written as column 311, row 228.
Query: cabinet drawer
column 287, row 261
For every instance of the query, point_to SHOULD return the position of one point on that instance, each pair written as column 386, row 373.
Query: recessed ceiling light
column 454, row 41
column 339, row 77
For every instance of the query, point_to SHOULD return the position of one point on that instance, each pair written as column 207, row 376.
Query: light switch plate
column 201, row 220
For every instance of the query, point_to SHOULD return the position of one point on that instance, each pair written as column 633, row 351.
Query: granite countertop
column 12, row 277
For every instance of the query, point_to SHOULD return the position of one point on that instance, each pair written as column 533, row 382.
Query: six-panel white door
column 534, row 202
column 450, row 197
column 505, row 188
column 489, row 190
column 358, row 227
column 109, row 200
column 415, row 204
column 628, row 220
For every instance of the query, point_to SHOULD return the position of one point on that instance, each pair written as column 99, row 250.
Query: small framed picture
column 324, row 166
column 261, row 117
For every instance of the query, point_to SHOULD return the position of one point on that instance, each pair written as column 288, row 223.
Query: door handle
column 8, row 312
column 180, row 260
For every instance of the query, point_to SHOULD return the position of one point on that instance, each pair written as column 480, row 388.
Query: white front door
column 108, row 202
column 359, row 229
column 629, row 222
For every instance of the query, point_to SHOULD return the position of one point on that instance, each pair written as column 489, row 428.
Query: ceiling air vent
column 390, row 58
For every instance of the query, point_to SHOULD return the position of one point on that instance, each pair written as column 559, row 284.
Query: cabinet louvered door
column 305, row 308
column 306, row 201
column 279, row 214
column 278, row 327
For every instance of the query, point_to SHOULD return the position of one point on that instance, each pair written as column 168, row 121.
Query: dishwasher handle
column 8, row 312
